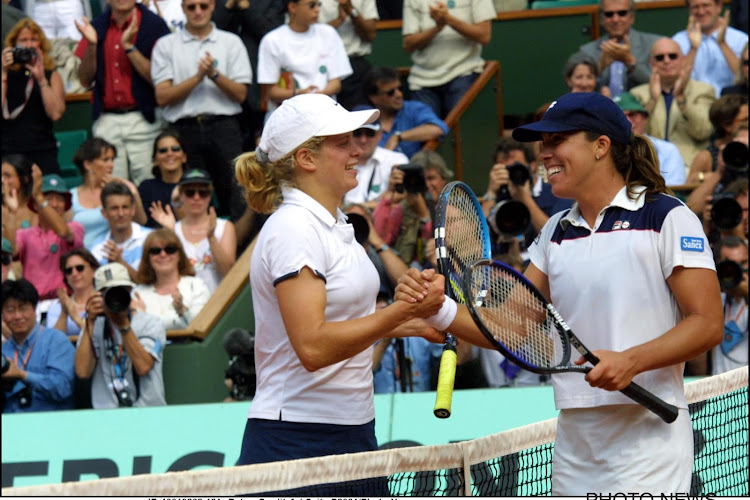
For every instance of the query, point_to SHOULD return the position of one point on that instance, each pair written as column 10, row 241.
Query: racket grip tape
column 446, row 379
column 664, row 410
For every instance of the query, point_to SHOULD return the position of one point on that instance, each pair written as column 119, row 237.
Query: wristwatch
column 131, row 49
column 125, row 329
column 215, row 76
column 397, row 134
column 355, row 12
column 382, row 248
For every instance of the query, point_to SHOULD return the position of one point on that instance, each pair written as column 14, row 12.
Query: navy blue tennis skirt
column 276, row 440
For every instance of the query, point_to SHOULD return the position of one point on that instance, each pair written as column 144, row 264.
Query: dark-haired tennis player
column 630, row 270
column 314, row 289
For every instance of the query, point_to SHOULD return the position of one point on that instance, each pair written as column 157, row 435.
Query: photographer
column 37, row 368
column 119, row 346
column 524, row 185
column 33, row 96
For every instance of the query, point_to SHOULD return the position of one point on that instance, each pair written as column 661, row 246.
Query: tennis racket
column 521, row 324
column 461, row 237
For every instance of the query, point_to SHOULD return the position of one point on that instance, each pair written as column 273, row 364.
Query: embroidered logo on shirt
column 691, row 244
column 620, row 224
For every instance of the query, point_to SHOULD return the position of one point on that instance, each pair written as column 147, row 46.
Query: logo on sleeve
column 691, row 244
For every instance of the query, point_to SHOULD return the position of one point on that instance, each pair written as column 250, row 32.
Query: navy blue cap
column 588, row 111
column 374, row 125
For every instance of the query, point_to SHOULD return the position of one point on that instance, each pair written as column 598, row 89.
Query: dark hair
column 723, row 112
column 737, row 186
column 21, row 290
column 114, row 188
column 378, row 74
column 505, row 145
column 731, row 241
column 575, row 61
column 90, row 150
column 146, row 274
column 82, row 253
column 22, row 166
column 638, row 164
column 601, row 6
column 170, row 132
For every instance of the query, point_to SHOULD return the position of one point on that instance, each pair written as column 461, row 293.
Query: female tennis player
column 630, row 270
column 314, row 289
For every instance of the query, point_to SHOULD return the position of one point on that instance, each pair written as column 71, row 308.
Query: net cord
column 259, row 478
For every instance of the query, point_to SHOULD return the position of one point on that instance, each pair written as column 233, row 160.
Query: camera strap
column 28, row 353
column 13, row 114
column 115, row 352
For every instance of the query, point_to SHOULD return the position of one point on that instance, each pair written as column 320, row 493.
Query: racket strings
column 516, row 318
column 464, row 238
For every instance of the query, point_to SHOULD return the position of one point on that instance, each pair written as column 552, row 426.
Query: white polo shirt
column 373, row 177
column 355, row 45
column 610, row 285
column 301, row 233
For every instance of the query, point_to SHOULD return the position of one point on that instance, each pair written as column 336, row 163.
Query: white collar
column 621, row 200
column 293, row 196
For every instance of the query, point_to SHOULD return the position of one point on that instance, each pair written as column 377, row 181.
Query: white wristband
column 445, row 316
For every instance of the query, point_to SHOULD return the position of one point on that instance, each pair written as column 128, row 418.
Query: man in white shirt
column 374, row 166
column 355, row 22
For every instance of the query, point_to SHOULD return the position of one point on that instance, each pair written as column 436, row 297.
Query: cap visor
column 348, row 121
column 533, row 131
column 115, row 283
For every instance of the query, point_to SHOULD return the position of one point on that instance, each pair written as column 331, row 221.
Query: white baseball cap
column 305, row 116
column 110, row 275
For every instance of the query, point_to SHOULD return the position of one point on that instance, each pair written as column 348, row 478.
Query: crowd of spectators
column 159, row 213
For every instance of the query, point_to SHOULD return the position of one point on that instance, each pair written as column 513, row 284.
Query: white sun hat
column 303, row 117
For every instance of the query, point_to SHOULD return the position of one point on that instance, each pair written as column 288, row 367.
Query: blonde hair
column 44, row 44
column 262, row 182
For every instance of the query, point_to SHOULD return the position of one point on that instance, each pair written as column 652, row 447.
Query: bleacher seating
column 68, row 143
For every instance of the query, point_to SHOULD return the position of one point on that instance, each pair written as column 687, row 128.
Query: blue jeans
column 443, row 98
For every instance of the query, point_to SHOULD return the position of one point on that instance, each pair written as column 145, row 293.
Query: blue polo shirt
column 413, row 114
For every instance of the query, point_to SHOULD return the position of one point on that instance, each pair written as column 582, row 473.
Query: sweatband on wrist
column 445, row 316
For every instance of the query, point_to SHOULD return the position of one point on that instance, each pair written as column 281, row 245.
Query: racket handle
column 446, row 378
column 664, row 410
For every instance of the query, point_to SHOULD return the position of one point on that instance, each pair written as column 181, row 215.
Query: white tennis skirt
column 621, row 449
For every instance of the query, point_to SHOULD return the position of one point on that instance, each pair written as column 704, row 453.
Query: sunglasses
column 203, row 193
column 672, row 56
column 169, row 250
column 6, row 259
column 175, row 149
column 392, row 92
column 364, row 131
column 611, row 13
column 77, row 267
column 203, row 6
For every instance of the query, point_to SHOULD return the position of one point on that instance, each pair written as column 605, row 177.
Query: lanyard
column 28, row 353
column 739, row 311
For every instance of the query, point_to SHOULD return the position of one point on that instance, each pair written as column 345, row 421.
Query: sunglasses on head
column 203, row 6
column 77, row 267
column 175, row 149
column 203, row 193
column 672, row 56
column 392, row 92
column 6, row 259
column 610, row 13
column 364, row 131
column 170, row 249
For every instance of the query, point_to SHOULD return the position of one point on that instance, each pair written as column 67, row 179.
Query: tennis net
column 511, row 463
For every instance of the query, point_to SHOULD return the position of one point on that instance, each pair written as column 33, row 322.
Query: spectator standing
column 671, row 165
column 622, row 53
column 445, row 40
column 57, row 17
column 740, row 85
column 374, row 164
column 120, row 351
column 168, row 287
column 67, row 314
column 355, row 22
column 39, row 247
column 115, row 55
column 711, row 46
column 33, row 97
column 302, row 56
column 124, row 241
column 677, row 104
column 40, row 372
column 10, row 16
column 95, row 160
column 209, row 242
column 169, row 164
column 201, row 76
column 406, row 124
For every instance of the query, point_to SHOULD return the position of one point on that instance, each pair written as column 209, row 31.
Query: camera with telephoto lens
column 361, row 227
column 730, row 274
column 726, row 212
column 518, row 173
column 117, row 298
column 23, row 55
column 510, row 217
column 735, row 162
column 413, row 179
